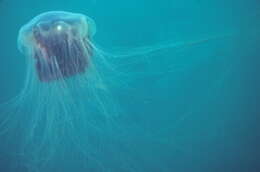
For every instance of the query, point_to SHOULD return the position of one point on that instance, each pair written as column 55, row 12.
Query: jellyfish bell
column 59, row 43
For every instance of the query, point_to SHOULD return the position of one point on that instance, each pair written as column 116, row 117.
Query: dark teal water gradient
column 202, row 114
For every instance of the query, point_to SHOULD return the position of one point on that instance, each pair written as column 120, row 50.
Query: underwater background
column 195, row 107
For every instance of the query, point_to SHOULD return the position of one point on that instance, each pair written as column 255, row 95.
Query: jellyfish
column 66, row 115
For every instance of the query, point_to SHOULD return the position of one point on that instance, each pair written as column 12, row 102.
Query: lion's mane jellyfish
column 65, row 117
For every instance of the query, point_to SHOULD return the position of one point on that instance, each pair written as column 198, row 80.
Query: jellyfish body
column 58, row 41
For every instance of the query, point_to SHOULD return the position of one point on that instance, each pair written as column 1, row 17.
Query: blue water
column 192, row 108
